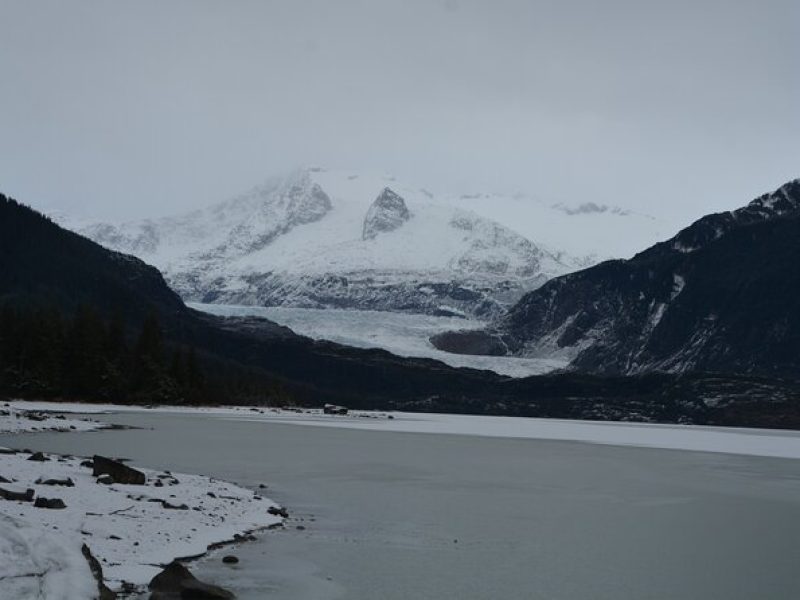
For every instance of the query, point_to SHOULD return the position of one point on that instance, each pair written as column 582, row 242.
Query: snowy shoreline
column 132, row 530
column 768, row 443
column 14, row 419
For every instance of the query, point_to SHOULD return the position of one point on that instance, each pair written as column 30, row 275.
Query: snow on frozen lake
column 394, row 515
column 401, row 334
column 725, row 440
column 773, row 443
column 13, row 420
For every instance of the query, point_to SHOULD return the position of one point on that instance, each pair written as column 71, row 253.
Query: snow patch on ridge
column 678, row 283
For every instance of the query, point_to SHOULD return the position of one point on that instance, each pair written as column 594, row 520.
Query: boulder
column 230, row 559
column 26, row 496
column 105, row 479
column 177, row 582
column 121, row 473
column 278, row 511
column 62, row 482
column 38, row 457
column 54, row 503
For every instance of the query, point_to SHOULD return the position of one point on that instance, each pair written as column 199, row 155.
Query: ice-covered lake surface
column 394, row 514
column 399, row 333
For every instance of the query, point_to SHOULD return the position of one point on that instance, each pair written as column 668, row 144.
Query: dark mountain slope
column 44, row 265
column 723, row 295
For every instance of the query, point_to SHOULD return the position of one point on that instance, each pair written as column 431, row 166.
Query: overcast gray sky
column 146, row 107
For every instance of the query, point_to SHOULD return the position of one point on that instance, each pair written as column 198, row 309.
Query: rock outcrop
column 118, row 471
column 387, row 213
column 176, row 582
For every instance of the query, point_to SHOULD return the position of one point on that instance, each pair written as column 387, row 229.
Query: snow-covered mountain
column 320, row 238
column 580, row 233
column 723, row 295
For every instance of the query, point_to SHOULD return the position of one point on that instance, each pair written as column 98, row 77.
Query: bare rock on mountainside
column 478, row 343
column 387, row 213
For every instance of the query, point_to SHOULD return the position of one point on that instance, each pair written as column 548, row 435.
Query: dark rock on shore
column 54, row 503
column 38, row 457
column 119, row 472
column 176, row 582
column 26, row 496
column 62, row 482
column 230, row 559
column 278, row 511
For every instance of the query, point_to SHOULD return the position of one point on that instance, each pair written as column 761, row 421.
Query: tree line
column 86, row 356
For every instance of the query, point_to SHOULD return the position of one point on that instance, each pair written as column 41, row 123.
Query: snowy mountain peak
column 324, row 238
column 298, row 200
column 783, row 201
column 387, row 213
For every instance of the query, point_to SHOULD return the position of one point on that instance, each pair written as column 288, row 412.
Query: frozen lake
column 400, row 515
column 401, row 334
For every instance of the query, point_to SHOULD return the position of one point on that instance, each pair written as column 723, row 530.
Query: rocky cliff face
column 722, row 295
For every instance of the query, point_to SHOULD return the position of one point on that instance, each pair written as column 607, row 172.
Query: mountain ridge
column 721, row 295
